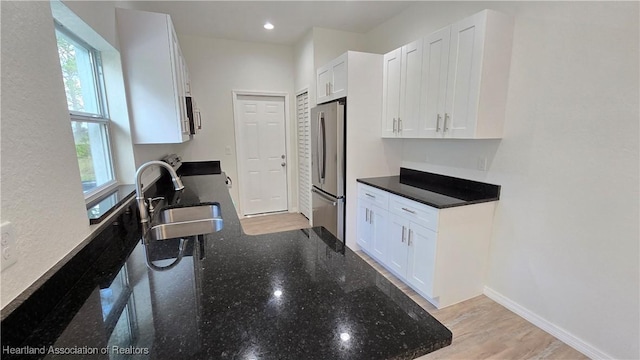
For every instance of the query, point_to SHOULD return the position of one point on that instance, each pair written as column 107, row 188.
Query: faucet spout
column 142, row 205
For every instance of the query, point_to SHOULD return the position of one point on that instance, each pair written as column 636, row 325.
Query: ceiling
column 244, row 20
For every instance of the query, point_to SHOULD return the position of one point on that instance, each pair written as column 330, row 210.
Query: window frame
column 101, row 118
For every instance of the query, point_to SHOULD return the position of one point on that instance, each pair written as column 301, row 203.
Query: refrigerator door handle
column 324, row 149
column 324, row 197
column 318, row 148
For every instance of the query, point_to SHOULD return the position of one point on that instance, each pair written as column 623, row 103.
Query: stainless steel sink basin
column 180, row 222
column 189, row 213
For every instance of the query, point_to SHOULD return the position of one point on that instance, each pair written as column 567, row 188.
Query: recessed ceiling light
column 268, row 26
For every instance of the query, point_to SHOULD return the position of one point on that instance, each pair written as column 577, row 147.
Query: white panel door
column 379, row 218
column 397, row 246
column 422, row 258
column 435, row 65
column 304, row 154
column 363, row 227
column 410, row 82
column 463, row 85
column 338, row 87
column 262, row 151
column 323, row 80
column 391, row 92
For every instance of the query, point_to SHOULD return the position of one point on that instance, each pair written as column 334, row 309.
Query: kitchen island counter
column 289, row 295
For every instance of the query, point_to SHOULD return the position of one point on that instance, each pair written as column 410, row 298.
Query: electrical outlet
column 482, row 163
column 8, row 245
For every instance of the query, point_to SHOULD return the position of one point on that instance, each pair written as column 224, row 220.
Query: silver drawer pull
column 409, row 211
column 402, row 234
column 369, row 195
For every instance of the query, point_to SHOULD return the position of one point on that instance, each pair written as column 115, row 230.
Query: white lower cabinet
column 397, row 260
column 421, row 259
column 440, row 253
column 372, row 229
column 412, row 253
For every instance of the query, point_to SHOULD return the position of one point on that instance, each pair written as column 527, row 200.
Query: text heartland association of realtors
column 83, row 350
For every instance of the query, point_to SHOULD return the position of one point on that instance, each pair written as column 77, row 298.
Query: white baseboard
column 558, row 332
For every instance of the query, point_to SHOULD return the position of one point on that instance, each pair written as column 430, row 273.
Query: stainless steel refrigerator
column 328, row 166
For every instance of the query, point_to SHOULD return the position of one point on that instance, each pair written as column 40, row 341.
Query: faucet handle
column 151, row 200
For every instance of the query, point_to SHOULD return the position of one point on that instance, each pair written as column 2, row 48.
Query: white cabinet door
column 378, row 219
column 410, row 83
column 156, row 84
column 331, row 80
column 338, row 86
column 180, row 84
column 397, row 248
column 421, row 263
column 363, row 228
column 435, row 65
column 465, row 69
column 391, row 92
column 322, row 84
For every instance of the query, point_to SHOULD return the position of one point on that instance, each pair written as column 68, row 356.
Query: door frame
column 287, row 139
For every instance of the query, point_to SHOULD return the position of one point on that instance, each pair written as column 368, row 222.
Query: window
column 84, row 86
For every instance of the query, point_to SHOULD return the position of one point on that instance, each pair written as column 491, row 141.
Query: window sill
column 100, row 209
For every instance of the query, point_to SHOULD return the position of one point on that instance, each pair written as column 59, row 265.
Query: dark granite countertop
column 438, row 191
column 290, row 295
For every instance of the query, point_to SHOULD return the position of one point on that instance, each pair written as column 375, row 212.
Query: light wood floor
column 267, row 224
column 482, row 329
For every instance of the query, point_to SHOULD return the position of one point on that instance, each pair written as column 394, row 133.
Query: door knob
column 282, row 157
column 283, row 164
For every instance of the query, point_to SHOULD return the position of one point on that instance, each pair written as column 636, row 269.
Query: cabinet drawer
column 419, row 213
column 376, row 196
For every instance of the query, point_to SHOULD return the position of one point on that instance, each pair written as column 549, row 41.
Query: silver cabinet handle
column 399, row 125
column 402, row 233
column 409, row 211
column 371, row 217
column 394, row 125
column 438, row 118
column 409, row 240
column 369, row 195
column 366, row 215
column 446, row 118
column 330, row 88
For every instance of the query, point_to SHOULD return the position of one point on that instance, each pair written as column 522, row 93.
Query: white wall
column 565, row 243
column 216, row 68
column 304, row 66
column 40, row 180
column 329, row 44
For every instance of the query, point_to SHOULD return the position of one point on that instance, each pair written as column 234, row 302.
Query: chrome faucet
column 142, row 204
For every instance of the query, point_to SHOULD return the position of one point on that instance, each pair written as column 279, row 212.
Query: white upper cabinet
column 156, row 77
column 464, row 80
column 410, row 83
column 331, row 80
column 391, row 74
column 435, row 65
column 401, row 97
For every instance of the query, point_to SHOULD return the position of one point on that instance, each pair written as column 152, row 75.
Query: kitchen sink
column 184, row 221
column 189, row 213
